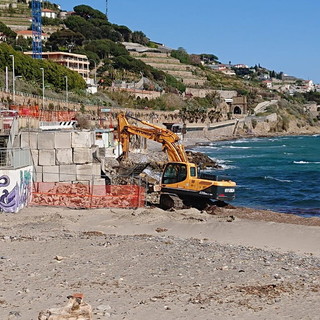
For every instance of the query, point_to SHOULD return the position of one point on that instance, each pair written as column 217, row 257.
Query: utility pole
column 42, row 70
column 13, row 80
column 7, row 79
column 67, row 98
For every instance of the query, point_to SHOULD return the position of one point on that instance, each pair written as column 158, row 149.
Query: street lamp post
column 42, row 70
column 7, row 79
column 13, row 80
column 67, row 98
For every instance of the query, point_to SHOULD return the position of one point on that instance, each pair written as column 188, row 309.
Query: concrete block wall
column 63, row 156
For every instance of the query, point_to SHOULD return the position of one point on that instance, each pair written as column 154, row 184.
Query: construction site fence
column 44, row 115
column 79, row 195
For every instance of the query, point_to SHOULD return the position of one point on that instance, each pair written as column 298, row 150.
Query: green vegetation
column 51, row 21
column 89, row 32
column 10, row 35
column 182, row 55
column 29, row 69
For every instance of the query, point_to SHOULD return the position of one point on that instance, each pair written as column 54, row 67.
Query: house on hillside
column 3, row 37
column 241, row 66
column 224, row 68
column 48, row 13
column 27, row 34
column 267, row 83
column 75, row 62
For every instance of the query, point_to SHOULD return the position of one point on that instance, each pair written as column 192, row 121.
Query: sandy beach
column 152, row 264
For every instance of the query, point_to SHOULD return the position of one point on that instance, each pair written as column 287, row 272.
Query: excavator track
column 170, row 201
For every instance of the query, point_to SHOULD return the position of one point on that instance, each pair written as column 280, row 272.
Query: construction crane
column 36, row 30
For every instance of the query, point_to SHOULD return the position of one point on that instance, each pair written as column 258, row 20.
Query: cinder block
column 99, row 182
column 67, row 172
column 62, row 140
column 64, row 156
column 85, row 182
column 46, row 140
column 35, row 157
column 84, row 172
column 96, row 169
column 82, row 155
column 82, row 139
column 45, row 187
column 38, row 173
column 50, row 174
column 29, row 140
column 47, row 157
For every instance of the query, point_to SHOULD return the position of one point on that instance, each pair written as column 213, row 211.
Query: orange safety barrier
column 44, row 115
column 56, row 115
column 79, row 195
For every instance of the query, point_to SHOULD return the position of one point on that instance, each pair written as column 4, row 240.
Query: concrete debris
column 58, row 258
column 75, row 309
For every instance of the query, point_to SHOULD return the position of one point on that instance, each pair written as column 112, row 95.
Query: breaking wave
column 277, row 179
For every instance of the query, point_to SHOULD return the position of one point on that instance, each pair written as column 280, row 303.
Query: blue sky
column 281, row 35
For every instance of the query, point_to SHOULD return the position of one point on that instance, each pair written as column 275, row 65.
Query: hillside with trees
column 87, row 31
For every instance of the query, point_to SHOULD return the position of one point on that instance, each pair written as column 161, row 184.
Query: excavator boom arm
column 168, row 139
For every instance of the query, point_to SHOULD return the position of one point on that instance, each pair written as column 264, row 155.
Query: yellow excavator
column 182, row 182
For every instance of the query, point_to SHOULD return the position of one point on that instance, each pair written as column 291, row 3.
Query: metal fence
column 15, row 158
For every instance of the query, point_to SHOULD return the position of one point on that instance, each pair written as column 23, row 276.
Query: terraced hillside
column 16, row 18
column 191, row 76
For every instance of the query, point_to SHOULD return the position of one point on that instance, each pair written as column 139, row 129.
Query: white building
column 48, row 13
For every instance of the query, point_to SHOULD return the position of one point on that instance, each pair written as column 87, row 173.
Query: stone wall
column 164, row 61
column 169, row 66
column 150, row 54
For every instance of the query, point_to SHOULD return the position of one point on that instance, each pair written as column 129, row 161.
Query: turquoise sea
column 280, row 174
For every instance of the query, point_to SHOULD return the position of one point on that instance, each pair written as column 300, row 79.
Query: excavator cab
column 192, row 186
column 174, row 173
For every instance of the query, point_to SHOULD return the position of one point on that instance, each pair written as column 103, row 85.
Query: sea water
column 280, row 174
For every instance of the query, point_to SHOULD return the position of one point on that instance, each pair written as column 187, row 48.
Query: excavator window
column 174, row 172
column 193, row 172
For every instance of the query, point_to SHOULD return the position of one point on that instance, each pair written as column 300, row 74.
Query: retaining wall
column 63, row 156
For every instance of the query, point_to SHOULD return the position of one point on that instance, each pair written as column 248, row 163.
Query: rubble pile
column 202, row 160
column 75, row 309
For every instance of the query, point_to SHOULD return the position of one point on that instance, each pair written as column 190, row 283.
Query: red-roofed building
column 48, row 13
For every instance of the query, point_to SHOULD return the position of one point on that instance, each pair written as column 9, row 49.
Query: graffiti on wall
column 15, row 190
